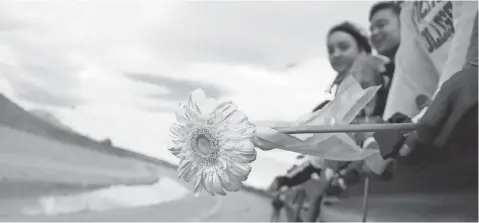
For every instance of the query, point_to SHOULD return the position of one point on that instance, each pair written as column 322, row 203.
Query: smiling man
column 385, row 28
column 385, row 37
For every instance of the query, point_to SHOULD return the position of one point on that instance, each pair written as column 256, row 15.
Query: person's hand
column 329, row 174
column 367, row 69
column 361, row 137
column 374, row 164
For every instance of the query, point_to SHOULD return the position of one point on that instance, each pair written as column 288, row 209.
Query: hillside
column 50, row 118
column 16, row 117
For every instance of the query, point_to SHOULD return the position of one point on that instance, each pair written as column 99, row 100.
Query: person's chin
column 380, row 47
column 383, row 49
column 341, row 70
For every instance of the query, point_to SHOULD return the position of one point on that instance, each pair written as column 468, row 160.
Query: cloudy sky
column 119, row 68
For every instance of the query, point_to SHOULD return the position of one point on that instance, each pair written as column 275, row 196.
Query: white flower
column 213, row 142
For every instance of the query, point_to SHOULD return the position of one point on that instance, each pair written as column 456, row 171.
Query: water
column 115, row 197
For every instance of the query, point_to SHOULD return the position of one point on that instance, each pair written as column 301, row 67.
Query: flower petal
column 217, row 184
column 204, row 105
column 197, row 96
column 231, row 186
column 237, row 132
column 244, row 154
column 191, row 173
column 224, row 110
column 240, row 170
column 180, row 114
column 177, row 131
column 235, row 118
column 198, row 185
column 176, row 150
column 194, row 98
column 184, row 167
column 208, row 183
column 191, row 115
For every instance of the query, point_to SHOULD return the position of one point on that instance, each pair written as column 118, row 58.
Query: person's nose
column 336, row 54
column 374, row 32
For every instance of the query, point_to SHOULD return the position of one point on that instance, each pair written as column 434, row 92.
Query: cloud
column 124, row 66
column 178, row 89
column 271, row 34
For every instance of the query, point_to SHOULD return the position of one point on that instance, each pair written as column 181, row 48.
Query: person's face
column 342, row 50
column 385, row 30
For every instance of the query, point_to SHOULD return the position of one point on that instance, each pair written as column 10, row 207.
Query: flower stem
column 347, row 128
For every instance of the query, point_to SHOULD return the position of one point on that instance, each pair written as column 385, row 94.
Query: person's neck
column 391, row 53
column 340, row 77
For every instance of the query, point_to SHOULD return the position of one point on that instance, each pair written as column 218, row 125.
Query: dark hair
column 361, row 39
column 394, row 6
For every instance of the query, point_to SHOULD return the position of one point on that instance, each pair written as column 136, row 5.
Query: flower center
column 203, row 145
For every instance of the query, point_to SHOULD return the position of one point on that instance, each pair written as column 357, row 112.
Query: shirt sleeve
column 414, row 73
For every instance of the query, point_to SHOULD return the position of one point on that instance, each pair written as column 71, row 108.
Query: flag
column 332, row 146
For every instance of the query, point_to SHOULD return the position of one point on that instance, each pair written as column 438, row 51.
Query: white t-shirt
column 435, row 37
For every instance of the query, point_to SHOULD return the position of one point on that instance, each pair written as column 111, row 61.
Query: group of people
column 426, row 64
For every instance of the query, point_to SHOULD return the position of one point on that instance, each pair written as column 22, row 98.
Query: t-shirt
column 435, row 36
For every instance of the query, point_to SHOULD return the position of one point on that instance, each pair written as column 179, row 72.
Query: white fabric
column 464, row 16
column 375, row 162
column 430, row 52
column 316, row 162
column 368, row 142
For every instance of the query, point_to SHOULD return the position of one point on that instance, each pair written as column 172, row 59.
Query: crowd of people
column 424, row 56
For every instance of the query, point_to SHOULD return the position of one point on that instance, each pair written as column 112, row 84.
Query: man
column 385, row 28
column 372, row 70
column 385, row 37
column 436, row 42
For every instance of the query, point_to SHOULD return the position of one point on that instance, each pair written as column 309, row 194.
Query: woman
column 349, row 54
column 348, row 50
column 345, row 44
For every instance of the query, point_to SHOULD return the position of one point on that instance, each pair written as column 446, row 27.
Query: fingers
column 405, row 150
column 329, row 174
column 341, row 183
column 408, row 145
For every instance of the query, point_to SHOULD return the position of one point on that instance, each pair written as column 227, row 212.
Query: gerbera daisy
column 212, row 139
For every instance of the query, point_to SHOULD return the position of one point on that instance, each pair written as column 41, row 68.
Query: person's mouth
column 378, row 41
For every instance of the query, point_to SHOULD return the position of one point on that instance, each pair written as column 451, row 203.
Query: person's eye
column 343, row 47
column 330, row 50
column 381, row 25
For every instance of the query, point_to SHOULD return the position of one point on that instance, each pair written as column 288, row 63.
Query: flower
column 212, row 139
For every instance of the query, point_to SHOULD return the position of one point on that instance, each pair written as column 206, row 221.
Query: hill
column 43, row 124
